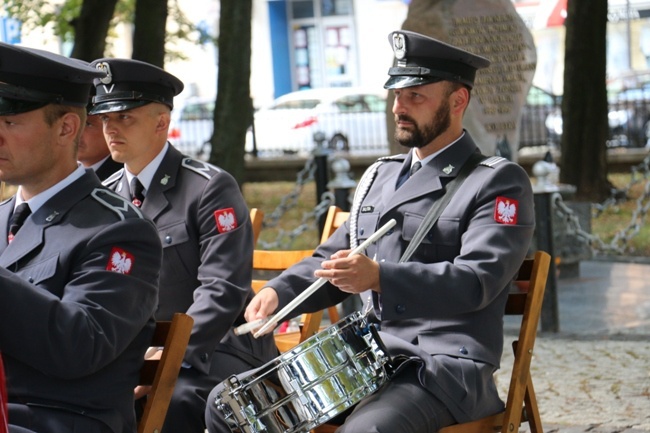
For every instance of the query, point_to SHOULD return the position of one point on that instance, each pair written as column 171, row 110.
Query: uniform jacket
column 79, row 290
column 444, row 307
column 3, row 399
column 107, row 168
column 207, row 265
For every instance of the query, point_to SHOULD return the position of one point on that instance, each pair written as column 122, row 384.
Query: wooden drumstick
column 319, row 282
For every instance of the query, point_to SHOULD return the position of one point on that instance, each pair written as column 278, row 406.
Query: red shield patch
column 120, row 261
column 226, row 220
column 506, row 210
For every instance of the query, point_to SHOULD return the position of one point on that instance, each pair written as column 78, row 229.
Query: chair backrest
column 521, row 403
column 257, row 217
column 528, row 304
column 161, row 374
column 334, row 219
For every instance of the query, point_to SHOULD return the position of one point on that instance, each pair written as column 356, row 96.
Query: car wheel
column 339, row 142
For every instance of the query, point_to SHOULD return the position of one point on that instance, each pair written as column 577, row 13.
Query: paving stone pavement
column 594, row 375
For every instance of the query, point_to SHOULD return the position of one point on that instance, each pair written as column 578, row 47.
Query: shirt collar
column 41, row 198
column 146, row 175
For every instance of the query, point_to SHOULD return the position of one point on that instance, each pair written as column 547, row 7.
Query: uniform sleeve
column 109, row 295
column 225, row 269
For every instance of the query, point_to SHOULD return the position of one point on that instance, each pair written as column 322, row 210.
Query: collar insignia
column 448, row 169
column 165, row 180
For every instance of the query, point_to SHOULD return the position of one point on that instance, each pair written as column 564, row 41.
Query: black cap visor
column 16, row 99
column 113, row 106
column 403, row 81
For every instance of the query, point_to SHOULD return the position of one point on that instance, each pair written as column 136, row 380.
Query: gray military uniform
column 443, row 309
column 79, row 290
column 206, row 272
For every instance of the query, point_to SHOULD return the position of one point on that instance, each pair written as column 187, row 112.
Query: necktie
column 415, row 167
column 137, row 197
column 405, row 176
column 19, row 216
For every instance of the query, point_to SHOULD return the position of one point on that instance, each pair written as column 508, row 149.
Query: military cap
column 130, row 84
column 423, row 60
column 32, row 78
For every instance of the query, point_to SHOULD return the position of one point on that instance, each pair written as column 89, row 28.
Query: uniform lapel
column 164, row 180
column 31, row 236
column 431, row 177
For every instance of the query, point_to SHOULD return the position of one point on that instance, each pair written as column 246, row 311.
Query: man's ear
column 70, row 126
column 164, row 119
column 460, row 99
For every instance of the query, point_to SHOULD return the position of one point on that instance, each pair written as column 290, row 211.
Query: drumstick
column 319, row 282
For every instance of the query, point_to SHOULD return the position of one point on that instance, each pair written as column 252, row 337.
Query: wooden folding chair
column 279, row 260
column 521, row 405
column 161, row 374
column 257, row 218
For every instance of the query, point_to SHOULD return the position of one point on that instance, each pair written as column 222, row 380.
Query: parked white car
column 346, row 118
column 191, row 126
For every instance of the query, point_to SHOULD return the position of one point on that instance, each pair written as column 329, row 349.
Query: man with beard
column 439, row 307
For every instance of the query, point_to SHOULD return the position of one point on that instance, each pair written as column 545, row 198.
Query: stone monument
column 492, row 29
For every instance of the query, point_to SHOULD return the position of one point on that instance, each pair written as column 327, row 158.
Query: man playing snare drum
column 440, row 312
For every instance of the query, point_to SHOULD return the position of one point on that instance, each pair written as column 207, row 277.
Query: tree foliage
column 91, row 35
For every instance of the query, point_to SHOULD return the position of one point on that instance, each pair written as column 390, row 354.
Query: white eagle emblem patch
column 226, row 220
column 120, row 261
column 506, row 210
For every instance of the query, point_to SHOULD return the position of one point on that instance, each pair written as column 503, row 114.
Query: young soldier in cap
column 80, row 278
column 93, row 151
column 440, row 312
column 204, row 225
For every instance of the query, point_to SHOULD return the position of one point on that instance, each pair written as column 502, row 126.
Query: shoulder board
column 200, row 167
column 118, row 204
column 113, row 177
column 399, row 157
column 492, row 161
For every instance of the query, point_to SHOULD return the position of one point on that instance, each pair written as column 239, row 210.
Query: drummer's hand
column 351, row 274
column 262, row 305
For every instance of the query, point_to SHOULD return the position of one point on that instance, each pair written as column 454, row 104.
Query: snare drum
column 310, row 384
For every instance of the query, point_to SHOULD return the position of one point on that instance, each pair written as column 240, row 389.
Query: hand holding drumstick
column 266, row 300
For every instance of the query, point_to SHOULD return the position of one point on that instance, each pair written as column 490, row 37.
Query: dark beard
column 420, row 137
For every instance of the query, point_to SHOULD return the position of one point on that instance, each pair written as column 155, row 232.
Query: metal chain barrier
column 285, row 238
column 620, row 242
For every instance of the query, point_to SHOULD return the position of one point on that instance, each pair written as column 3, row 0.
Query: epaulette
column 492, row 161
column 200, row 167
column 113, row 177
column 118, row 204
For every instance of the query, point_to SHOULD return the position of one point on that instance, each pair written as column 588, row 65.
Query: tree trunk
column 583, row 161
column 149, row 31
column 233, row 108
column 91, row 28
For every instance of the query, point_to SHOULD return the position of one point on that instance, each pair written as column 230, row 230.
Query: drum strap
column 439, row 205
